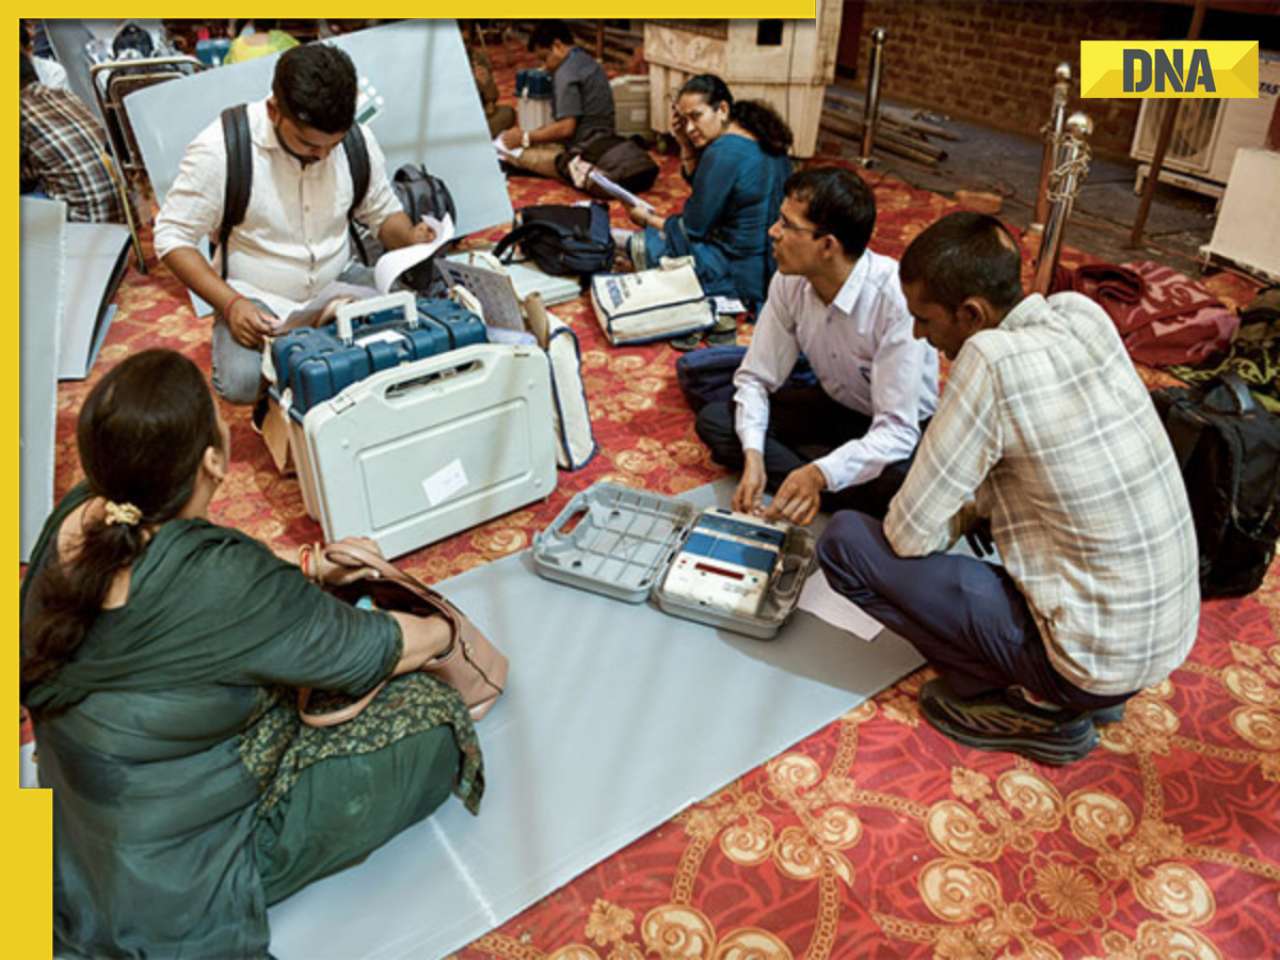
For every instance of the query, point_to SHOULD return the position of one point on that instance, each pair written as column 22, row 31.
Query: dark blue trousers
column 804, row 424
column 966, row 617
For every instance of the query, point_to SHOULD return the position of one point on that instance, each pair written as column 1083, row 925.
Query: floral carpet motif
column 875, row 836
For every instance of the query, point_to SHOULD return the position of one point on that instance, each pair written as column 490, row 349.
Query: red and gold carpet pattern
column 875, row 836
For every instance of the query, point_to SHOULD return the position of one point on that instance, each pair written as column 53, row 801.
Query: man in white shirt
column 293, row 240
column 847, row 442
column 1046, row 436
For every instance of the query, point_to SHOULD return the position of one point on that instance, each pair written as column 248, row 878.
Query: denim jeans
column 966, row 617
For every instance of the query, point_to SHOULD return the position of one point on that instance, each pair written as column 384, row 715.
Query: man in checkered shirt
column 1046, row 442
column 63, row 150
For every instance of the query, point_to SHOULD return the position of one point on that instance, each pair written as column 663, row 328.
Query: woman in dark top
column 160, row 657
column 734, row 154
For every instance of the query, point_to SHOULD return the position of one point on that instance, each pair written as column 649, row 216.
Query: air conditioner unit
column 1207, row 133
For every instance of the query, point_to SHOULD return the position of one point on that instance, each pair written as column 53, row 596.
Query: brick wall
column 992, row 62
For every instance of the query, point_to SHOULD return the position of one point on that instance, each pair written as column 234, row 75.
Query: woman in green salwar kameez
column 161, row 657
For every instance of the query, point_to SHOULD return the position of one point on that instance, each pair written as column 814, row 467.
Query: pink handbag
column 473, row 665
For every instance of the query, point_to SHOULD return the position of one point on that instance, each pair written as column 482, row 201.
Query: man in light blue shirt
column 846, row 443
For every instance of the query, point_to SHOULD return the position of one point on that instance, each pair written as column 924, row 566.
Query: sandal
column 725, row 330
column 688, row 342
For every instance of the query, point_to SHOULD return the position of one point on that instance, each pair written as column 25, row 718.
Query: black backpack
column 1229, row 450
column 420, row 194
column 563, row 240
column 624, row 160
column 235, row 200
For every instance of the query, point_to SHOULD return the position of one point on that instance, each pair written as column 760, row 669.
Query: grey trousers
column 237, row 370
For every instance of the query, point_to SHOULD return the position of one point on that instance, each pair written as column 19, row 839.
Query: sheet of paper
column 616, row 190
column 504, row 151
column 381, row 336
column 306, row 314
column 729, row 305
column 444, row 483
column 818, row 598
column 395, row 262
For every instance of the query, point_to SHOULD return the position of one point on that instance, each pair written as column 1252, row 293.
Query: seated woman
column 735, row 156
column 160, row 657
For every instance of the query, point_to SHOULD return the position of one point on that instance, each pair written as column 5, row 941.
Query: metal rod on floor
column 871, row 111
column 1052, row 132
column 1064, row 184
column 1162, row 144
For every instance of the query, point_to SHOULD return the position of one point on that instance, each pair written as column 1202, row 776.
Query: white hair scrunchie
column 125, row 513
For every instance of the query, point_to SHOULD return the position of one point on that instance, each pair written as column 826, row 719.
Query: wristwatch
column 524, row 139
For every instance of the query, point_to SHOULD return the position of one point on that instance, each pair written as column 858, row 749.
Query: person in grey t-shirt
column 581, row 98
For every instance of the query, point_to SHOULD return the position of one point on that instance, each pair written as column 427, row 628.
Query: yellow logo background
column 1234, row 64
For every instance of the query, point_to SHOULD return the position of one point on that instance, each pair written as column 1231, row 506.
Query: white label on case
column 444, row 483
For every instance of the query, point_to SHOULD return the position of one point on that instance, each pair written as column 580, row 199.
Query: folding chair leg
column 126, row 201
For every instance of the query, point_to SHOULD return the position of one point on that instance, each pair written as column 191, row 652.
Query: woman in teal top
column 160, row 659
column 734, row 153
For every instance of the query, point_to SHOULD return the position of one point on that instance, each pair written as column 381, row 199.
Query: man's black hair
column 315, row 85
column 26, row 72
column 547, row 32
column 965, row 255
column 839, row 204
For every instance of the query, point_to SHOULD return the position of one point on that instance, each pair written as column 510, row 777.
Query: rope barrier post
column 1064, row 185
column 1052, row 134
column 871, row 109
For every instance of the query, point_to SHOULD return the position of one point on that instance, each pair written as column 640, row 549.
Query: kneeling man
column 846, row 443
column 1046, row 433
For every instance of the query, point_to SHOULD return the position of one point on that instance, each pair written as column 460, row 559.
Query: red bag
column 1164, row 317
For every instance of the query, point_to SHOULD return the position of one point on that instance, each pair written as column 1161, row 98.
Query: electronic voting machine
column 715, row 566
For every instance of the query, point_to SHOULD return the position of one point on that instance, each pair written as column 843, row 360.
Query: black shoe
column 1004, row 721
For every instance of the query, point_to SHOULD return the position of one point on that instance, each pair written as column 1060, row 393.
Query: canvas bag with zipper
column 650, row 305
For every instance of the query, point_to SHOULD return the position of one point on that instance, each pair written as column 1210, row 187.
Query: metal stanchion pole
column 1064, row 184
column 1052, row 132
column 871, row 109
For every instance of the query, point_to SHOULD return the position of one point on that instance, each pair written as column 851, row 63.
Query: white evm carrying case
column 419, row 452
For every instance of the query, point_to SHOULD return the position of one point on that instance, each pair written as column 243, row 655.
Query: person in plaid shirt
column 63, row 150
column 1046, row 443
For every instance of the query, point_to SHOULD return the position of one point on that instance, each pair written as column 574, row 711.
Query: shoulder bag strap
column 235, row 200
column 525, row 230
column 357, row 152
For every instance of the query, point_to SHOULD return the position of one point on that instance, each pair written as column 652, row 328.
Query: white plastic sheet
column 616, row 717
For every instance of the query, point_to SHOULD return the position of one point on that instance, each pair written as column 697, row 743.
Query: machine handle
column 349, row 313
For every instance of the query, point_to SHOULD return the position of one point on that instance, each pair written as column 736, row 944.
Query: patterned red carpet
column 875, row 836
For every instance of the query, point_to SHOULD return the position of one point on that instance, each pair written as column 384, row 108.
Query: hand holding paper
column 504, row 151
column 392, row 264
column 613, row 189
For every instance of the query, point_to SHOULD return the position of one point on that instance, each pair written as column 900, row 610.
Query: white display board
column 431, row 112
column 41, row 289
column 96, row 257
column 1248, row 229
